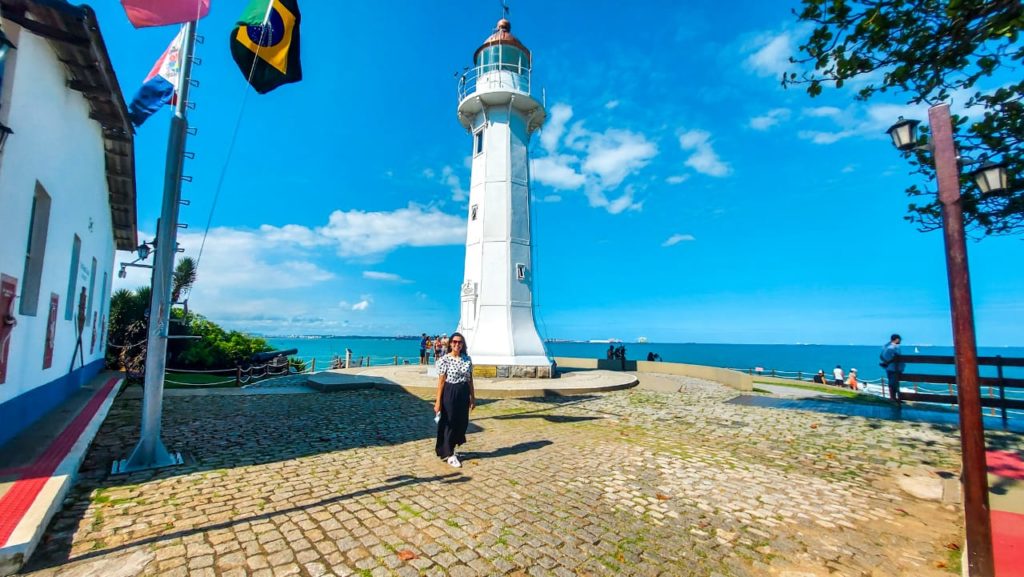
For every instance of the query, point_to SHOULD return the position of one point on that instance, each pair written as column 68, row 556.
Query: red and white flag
column 143, row 13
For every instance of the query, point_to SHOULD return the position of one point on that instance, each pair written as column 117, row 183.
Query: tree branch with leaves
column 932, row 51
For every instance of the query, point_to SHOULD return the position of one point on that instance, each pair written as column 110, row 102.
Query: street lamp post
column 977, row 516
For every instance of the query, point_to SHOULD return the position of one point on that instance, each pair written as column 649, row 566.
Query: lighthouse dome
column 502, row 49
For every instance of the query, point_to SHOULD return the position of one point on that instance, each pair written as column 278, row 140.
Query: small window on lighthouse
column 472, row 212
column 521, row 271
column 478, row 142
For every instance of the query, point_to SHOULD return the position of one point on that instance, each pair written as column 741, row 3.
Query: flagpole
column 150, row 452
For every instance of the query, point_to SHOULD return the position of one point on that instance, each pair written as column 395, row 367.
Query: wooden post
column 396, row 360
column 312, row 367
column 238, row 376
column 977, row 513
column 1002, row 386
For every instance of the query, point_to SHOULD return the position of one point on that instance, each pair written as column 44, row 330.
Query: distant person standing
column 837, row 376
column 423, row 348
column 611, row 352
column 851, row 379
column 893, row 368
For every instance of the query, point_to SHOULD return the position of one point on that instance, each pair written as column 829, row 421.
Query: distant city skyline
column 680, row 193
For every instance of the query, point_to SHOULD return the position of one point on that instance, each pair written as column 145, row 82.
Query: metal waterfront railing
column 934, row 388
column 497, row 76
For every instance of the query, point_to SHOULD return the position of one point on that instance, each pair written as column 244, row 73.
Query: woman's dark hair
column 465, row 345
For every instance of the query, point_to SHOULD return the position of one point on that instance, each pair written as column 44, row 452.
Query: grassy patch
column 97, row 521
column 452, row 523
column 954, row 560
column 841, row 392
column 193, row 380
column 639, row 399
column 409, row 511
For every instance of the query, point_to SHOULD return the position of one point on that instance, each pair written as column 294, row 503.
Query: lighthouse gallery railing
column 495, row 76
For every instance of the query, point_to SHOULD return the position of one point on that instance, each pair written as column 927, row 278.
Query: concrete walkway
column 414, row 379
column 794, row 392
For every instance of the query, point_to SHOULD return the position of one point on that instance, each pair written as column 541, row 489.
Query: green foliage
column 217, row 348
column 296, row 364
column 126, row 344
column 931, row 51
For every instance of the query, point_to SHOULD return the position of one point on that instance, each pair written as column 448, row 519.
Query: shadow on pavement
column 506, row 451
column 548, row 418
column 58, row 552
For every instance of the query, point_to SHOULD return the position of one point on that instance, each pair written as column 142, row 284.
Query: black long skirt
column 451, row 429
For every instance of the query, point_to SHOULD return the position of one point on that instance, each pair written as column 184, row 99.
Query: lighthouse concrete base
column 513, row 371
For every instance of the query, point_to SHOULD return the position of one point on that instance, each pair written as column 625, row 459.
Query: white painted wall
column 497, row 307
column 57, row 144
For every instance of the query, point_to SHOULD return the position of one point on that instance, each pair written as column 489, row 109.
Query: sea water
column 784, row 360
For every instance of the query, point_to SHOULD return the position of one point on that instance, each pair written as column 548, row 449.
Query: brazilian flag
column 265, row 45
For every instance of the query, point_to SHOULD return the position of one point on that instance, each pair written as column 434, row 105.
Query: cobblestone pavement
column 627, row 483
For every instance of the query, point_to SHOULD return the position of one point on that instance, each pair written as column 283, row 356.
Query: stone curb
column 48, row 501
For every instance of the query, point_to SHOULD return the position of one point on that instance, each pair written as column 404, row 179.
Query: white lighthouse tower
column 496, row 107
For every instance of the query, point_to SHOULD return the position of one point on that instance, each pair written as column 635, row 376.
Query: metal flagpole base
column 141, row 459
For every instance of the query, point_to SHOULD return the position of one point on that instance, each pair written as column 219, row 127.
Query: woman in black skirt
column 455, row 399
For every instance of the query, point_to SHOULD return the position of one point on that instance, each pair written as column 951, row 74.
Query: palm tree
column 129, row 318
column 183, row 279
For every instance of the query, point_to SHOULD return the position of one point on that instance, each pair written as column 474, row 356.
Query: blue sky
column 680, row 193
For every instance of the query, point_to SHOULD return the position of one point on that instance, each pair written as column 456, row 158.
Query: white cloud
column 287, row 234
column 677, row 178
column 611, row 104
column 555, row 171
column 866, row 121
column 771, row 54
column 555, row 126
column 769, row 119
column 358, row 233
column 823, row 137
column 598, row 162
column 848, row 169
column 449, row 177
column 614, row 154
column 704, row 158
column 822, row 111
column 384, row 276
column 548, row 198
column 677, row 238
column 234, row 257
column 361, row 305
column 243, row 273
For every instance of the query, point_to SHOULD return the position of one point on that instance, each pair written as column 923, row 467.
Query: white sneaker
column 454, row 461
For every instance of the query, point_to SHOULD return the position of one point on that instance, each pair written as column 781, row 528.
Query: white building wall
column 56, row 144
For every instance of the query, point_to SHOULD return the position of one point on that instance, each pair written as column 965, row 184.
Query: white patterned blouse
column 455, row 369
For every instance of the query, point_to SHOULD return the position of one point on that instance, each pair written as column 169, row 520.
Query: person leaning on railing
column 893, row 368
